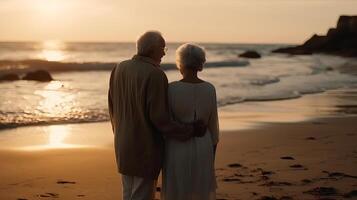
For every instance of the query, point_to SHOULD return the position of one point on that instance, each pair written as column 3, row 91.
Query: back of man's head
column 147, row 42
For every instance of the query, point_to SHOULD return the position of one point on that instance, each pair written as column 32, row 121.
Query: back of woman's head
column 190, row 56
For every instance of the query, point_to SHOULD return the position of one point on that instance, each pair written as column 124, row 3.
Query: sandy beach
column 309, row 153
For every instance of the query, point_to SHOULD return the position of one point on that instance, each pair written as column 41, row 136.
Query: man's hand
column 194, row 129
column 199, row 128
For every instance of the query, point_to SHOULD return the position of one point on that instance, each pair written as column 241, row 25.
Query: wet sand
column 287, row 154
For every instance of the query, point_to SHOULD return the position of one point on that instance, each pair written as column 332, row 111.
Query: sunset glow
column 49, row 7
column 253, row 21
column 52, row 51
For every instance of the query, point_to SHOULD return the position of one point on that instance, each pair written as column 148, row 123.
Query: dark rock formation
column 9, row 77
column 39, row 75
column 341, row 40
column 250, row 54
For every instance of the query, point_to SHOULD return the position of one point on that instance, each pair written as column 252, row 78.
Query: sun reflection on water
column 55, row 102
column 52, row 50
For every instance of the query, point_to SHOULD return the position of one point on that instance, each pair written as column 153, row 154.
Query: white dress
column 188, row 172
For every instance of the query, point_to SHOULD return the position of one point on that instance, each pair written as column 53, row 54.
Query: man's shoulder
column 138, row 63
column 125, row 63
column 158, row 74
column 143, row 68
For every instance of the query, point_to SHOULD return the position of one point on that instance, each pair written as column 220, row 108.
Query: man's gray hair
column 147, row 41
column 190, row 56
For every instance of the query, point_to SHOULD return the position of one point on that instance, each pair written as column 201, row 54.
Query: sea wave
column 17, row 66
column 19, row 119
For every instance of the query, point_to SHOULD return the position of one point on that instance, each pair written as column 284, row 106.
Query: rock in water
column 341, row 40
column 250, row 54
column 39, row 75
column 9, row 77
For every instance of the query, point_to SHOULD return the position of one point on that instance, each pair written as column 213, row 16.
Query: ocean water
column 81, row 72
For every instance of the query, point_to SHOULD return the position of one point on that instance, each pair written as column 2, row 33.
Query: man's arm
column 158, row 109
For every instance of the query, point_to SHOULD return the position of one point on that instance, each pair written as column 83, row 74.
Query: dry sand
column 90, row 173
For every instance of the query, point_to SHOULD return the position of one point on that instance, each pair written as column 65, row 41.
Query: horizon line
column 170, row 42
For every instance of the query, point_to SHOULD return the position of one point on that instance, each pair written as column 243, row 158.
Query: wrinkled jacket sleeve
column 158, row 108
column 110, row 99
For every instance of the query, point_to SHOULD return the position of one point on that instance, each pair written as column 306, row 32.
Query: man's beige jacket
column 139, row 112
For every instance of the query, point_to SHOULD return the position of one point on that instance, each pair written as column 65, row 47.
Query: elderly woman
column 188, row 172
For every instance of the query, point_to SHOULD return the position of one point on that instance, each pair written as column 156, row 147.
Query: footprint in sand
column 49, row 194
column 262, row 171
column 310, row 138
column 351, row 194
column 66, row 182
column 322, row 191
column 298, row 166
column 231, row 180
column 287, row 158
column 275, row 198
column 306, row 181
column 276, row 183
column 338, row 175
column 235, row 165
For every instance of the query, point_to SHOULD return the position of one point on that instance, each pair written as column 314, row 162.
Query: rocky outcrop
column 341, row 40
column 9, row 77
column 39, row 75
column 250, row 54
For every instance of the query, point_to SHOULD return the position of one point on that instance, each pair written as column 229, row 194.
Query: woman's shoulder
column 174, row 84
column 209, row 86
column 200, row 84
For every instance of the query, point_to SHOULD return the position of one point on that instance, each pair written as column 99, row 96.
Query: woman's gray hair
column 190, row 56
column 147, row 41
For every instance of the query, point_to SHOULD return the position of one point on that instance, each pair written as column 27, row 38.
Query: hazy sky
column 248, row 21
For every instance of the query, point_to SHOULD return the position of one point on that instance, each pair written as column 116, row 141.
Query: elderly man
column 139, row 113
